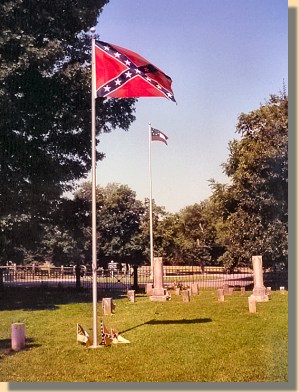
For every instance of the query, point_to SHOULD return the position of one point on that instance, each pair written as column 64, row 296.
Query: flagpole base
column 98, row 346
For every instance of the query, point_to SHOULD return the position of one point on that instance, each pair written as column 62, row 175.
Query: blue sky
column 225, row 57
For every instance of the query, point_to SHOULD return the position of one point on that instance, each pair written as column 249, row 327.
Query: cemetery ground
column 198, row 341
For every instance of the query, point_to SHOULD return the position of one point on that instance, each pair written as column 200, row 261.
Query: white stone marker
column 220, row 294
column 194, row 288
column 17, row 336
column 259, row 290
column 186, row 295
column 177, row 291
column 252, row 304
column 107, row 306
column 131, row 295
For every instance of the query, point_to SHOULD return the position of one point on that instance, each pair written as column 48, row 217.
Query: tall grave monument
column 259, row 290
column 159, row 293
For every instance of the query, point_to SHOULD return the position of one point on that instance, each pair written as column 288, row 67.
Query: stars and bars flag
column 82, row 335
column 106, row 337
column 158, row 136
column 121, row 73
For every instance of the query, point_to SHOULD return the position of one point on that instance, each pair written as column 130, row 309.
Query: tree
column 258, row 194
column 119, row 217
column 119, row 224
column 45, row 107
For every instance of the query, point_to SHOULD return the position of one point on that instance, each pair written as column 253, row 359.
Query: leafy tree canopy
column 257, row 198
column 45, row 99
column 45, row 106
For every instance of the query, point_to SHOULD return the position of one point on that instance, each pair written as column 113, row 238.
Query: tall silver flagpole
column 150, row 199
column 93, row 192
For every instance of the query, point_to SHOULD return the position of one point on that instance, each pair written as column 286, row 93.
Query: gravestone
column 259, row 290
column 220, row 295
column 131, row 295
column 159, row 293
column 17, row 336
column 252, row 304
column 107, row 306
column 177, row 291
column 186, row 295
column 242, row 290
column 194, row 288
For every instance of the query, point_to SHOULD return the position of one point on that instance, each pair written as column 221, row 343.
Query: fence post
column 77, row 272
column 135, row 275
column 1, row 276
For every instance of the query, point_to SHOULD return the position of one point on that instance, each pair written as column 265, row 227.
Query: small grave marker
column 17, row 336
column 186, row 295
column 131, row 295
column 194, row 289
column 177, row 291
column 108, row 306
column 252, row 304
column 220, row 294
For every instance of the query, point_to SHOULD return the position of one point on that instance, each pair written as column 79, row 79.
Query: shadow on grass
column 183, row 321
column 160, row 322
column 5, row 347
column 46, row 297
column 40, row 298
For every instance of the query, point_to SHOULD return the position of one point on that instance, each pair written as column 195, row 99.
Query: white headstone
column 17, row 336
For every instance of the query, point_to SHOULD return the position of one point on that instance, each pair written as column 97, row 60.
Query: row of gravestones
column 157, row 292
column 108, row 307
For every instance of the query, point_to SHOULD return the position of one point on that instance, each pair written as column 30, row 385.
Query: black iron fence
column 210, row 277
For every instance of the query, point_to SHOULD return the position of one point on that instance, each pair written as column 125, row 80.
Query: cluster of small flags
column 107, row 338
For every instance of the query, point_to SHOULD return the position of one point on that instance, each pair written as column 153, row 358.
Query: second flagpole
column 150, row 200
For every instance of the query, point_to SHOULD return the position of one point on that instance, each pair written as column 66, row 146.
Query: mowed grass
column 199, row 341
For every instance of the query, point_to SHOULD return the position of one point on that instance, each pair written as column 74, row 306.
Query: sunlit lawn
column 199, row 341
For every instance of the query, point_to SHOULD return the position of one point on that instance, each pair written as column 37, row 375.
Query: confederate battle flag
column 121, row 73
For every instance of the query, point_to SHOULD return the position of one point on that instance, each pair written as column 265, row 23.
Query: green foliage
column 45, row 110
column 118, row 227
column 255, row 204
column 119, row 218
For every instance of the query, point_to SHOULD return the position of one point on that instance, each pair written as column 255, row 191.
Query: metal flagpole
column 93, row 192
column 150, row 200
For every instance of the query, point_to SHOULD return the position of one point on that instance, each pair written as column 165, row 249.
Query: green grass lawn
column 199, row 341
